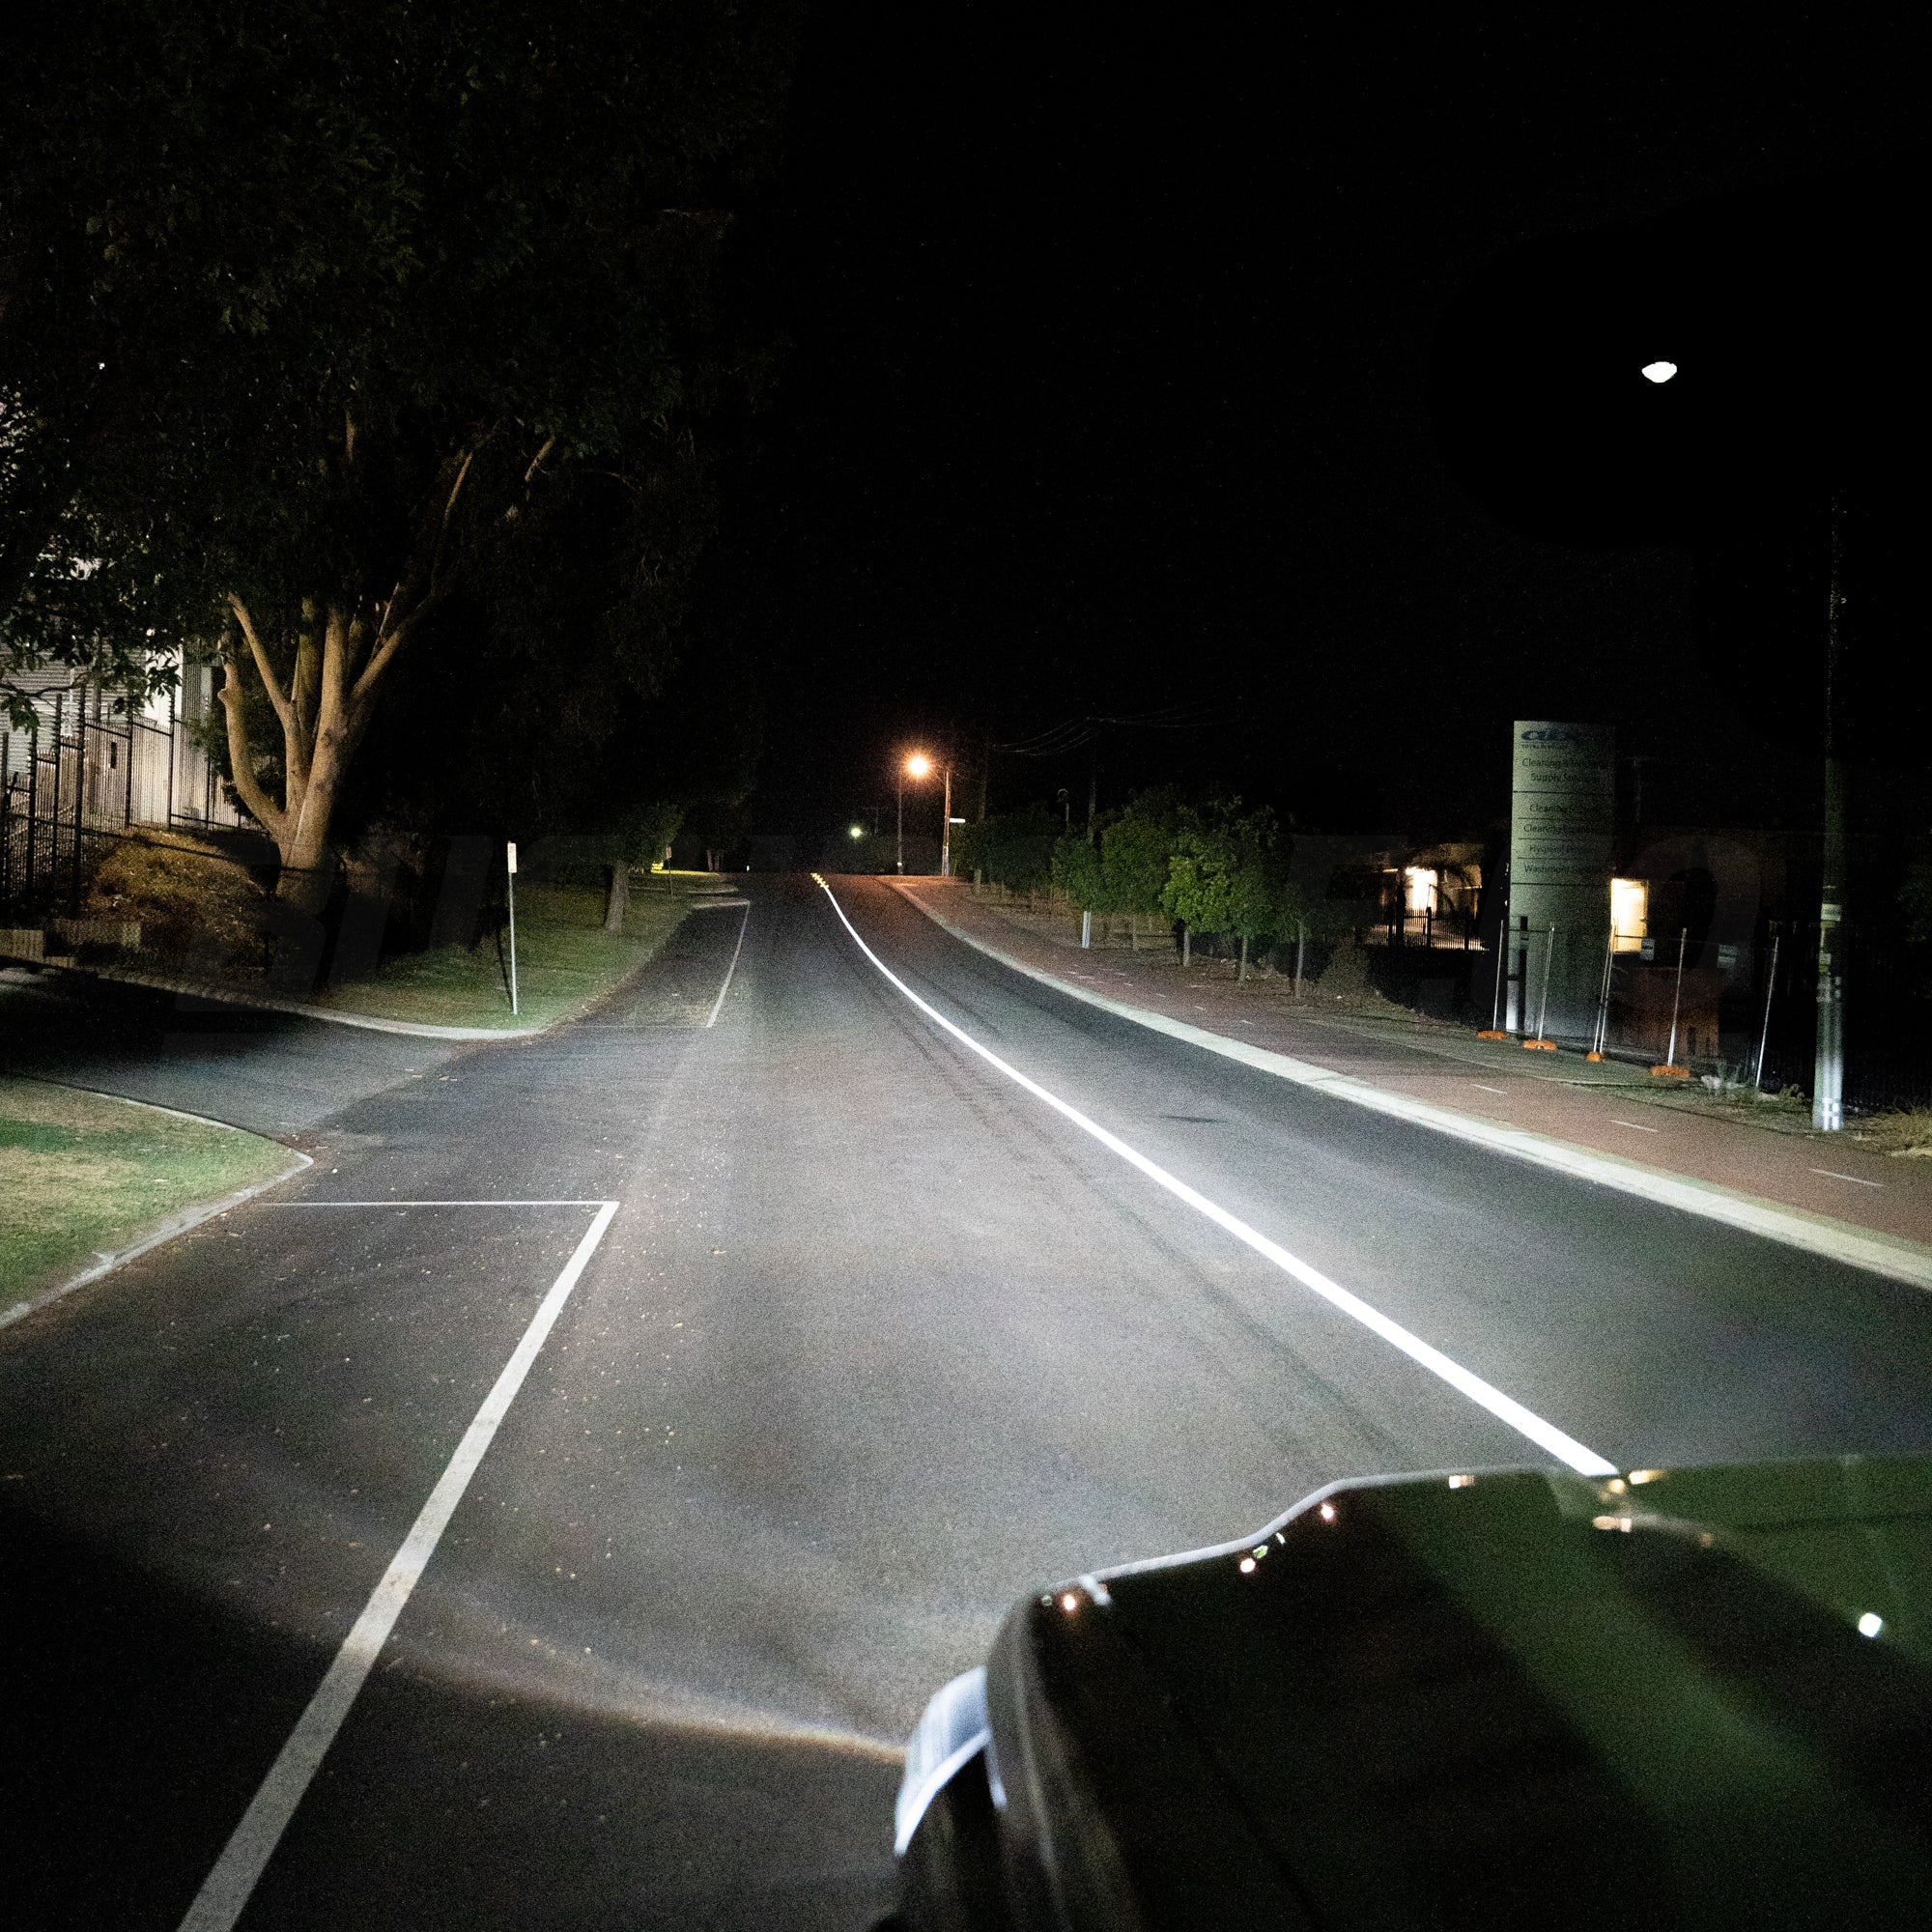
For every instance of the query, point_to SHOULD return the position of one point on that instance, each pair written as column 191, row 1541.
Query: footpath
column 1752, row 1165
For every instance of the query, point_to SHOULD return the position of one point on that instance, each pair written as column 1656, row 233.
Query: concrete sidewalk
column 1604, row 1109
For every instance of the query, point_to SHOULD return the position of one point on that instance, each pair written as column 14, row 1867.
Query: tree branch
column 385, row 651
column 242, row 756
column 264, row 670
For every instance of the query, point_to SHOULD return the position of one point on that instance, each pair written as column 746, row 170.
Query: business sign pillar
column 1563, row 800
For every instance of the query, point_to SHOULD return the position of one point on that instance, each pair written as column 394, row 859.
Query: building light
column 1419, row 888
column 1630, row 915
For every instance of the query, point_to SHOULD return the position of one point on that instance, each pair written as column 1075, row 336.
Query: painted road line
column 1481, row 1089
column 225, row 1893
column 1525, row 1422
column 1635, row 1126
column 1891, row 1255
column 1831, row 1175
column 733, row 967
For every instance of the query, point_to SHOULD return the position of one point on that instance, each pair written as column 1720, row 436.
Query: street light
column 920, row 766
column 856, row 831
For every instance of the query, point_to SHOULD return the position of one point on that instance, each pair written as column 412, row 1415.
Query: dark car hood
column 1695, row 1698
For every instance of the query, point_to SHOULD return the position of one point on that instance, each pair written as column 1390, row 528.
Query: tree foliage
column 1135, row 850
column 1224, row 874
column 323, row 325
column 1015, row 849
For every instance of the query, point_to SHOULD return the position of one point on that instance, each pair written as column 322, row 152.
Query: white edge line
column 225, row 1893
column 166, row 1231
column 434, row 1204
column 1525, row 1421
column 733, row 967
column 1889, row 1255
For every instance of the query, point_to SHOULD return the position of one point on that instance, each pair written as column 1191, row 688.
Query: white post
column 1764, row 1032
column 1086, row 931
column 1676, row 999
column 510, row 880
column 1542, row 1008
column 1603, row 1031
column 1301, row 953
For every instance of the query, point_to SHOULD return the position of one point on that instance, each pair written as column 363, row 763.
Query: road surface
column 875, row 1341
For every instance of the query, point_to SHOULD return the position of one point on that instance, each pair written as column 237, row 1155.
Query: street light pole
column 901, row 859
column 1828, row 1077
column 946, row 831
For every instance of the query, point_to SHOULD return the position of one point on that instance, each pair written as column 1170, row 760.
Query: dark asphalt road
column 875, row 1342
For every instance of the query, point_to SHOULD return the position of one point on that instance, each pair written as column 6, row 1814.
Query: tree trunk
column 1186, row 943
column 617, row 895
column 1244, row 973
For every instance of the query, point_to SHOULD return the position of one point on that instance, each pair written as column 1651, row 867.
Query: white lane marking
column 1852, row 1178
column 1635, row 1126
column 1889, row 1255
column 1487, row 1089
column 1546, row 1435
column 430, row 1204
column 733, row 967
column 225, row 1893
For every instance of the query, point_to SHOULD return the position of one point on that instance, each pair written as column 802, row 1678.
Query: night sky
column 1107, row 392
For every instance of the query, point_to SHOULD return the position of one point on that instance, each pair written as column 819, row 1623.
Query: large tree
column 388, row 280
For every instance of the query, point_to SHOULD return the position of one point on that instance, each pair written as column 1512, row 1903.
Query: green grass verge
column 81, row 1175
column 565, row 960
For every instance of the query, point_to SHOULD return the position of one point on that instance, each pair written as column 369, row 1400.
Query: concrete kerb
column 1794, row 1227
column 165, row 1230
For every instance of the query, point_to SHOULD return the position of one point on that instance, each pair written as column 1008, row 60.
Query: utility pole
column 946, row 828
column 1828, row 1077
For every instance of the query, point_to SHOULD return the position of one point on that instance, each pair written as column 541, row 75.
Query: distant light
column 955, row 821
column 1660, row 372
column 1621, row 1522
column 1461, row 1481
column 917, row 765
column 1247, row 1564
column 1070, row 1602
column 857, row 831
column 1645, row 1475
column 1870, row 1624
column 1327, row 1512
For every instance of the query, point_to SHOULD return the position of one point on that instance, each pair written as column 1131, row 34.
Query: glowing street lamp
column 920, row 766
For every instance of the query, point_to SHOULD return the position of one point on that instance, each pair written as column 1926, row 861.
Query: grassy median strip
column 82, row 1175
column 565, row 960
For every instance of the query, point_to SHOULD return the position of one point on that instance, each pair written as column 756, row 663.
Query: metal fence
column 82, row 775
column 1744, row 1011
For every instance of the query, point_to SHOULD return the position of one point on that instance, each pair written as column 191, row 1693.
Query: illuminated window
column 1418, row 884
column 1630, row 914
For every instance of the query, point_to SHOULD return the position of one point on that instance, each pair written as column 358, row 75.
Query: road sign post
column 510, row 883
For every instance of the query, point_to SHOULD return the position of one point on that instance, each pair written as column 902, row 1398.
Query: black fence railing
column 79, row 777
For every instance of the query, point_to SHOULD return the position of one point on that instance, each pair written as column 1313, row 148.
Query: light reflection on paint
column 1461, row 1482
column 1648, row 1475
column 1621, row 1522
